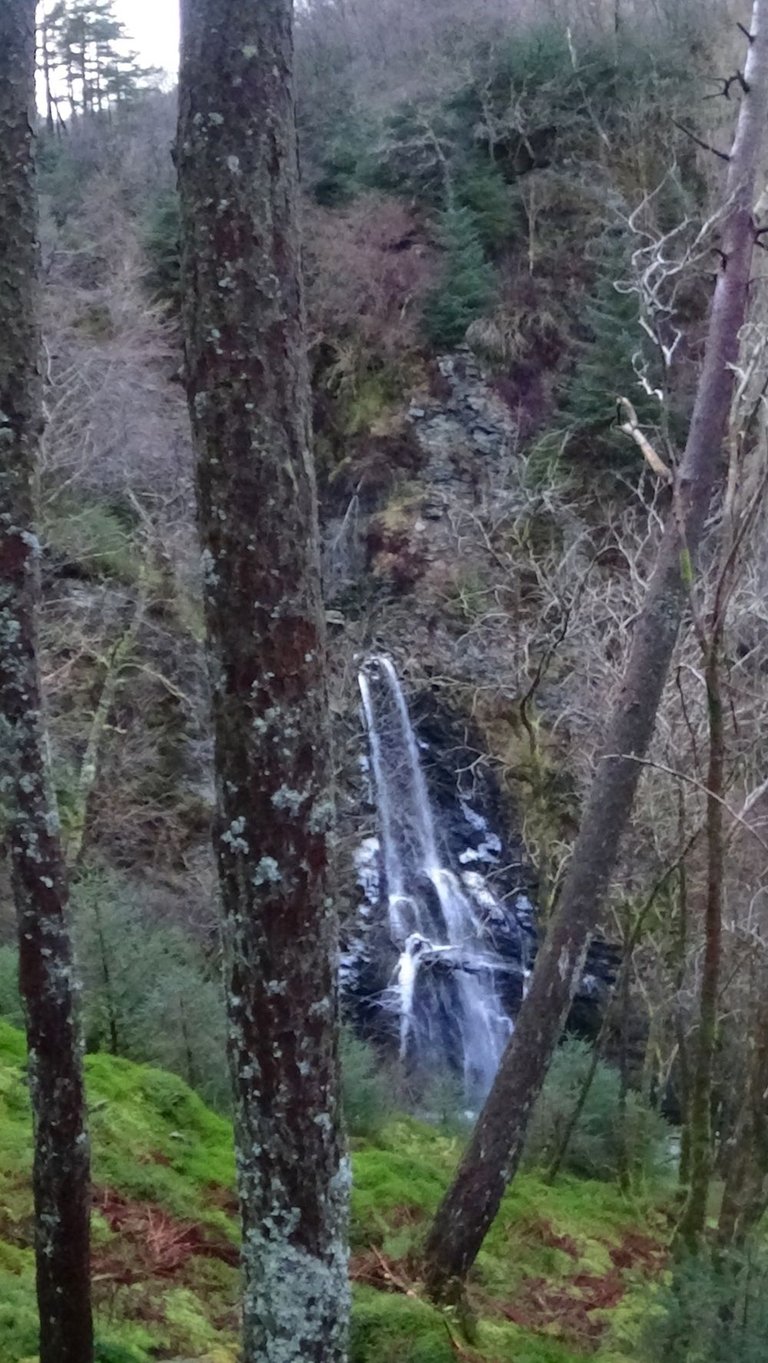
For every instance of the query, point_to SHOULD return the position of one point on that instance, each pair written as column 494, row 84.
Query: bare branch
column 631, row 427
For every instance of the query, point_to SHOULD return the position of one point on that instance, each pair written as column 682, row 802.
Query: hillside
column 563, row 1265
column 502, row 242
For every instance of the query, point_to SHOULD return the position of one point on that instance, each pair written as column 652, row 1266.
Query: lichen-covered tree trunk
column 494, row 1152
column 248, row 390
column 61, row 1162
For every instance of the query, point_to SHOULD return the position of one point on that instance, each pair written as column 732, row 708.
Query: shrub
column 149, row 994
column 10, row 1000
column 345, row 168
column 711, row 1313
column 594, row 1150
column 161, row 243
column 365, row 1087
column 91, row 540
column 416, row 151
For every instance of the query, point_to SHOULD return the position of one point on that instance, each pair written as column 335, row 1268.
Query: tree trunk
column 694, row 1216
column 46, row 55
column 745, row 1196
column 494, row 1152
column 248, row 391
column 61, row 1162
column 684, row 1068
column 624, row 1168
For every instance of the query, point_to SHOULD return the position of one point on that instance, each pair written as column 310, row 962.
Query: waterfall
column 444, row 986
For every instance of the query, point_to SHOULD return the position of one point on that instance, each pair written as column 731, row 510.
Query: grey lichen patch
column 208, row 564
column 290, row 800
column 267, row 872
column 296, row 1303
column 233, row 836
column 321, row 815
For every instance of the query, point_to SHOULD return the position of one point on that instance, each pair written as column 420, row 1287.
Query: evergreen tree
column 466, row 284
column 85, row 43
column 615, row 350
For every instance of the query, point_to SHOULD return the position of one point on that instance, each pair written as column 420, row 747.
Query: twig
column 706, row 146
column 691, row 781
column 393, row 1278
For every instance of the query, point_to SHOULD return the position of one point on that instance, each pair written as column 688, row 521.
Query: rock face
column 464, row 424
column 437, row 954
column 436, row 960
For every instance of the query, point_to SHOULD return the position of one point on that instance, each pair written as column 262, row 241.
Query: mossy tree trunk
column 248, row 392
column 494, row 1151
column 61, row 1161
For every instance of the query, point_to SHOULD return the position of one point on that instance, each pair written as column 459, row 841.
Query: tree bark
column 745, row 1196
column 624, row 1169
column 61, row 1159
column 694, row 1218
column 494, row 1151
column 248, row 391
column 45, row 53
column 684, row 1068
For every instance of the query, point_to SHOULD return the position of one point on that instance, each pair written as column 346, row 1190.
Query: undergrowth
column 164, row 1230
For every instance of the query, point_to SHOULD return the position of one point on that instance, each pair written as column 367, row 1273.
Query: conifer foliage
column 465, row 288
column 84, row 50
column 615, row 361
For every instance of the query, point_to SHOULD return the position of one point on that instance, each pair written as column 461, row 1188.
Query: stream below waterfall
column 447, row 985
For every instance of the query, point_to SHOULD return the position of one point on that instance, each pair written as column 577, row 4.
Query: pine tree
column 85, row 41
column 466, row 284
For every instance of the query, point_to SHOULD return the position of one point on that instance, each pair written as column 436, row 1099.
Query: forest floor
column 567, row 1273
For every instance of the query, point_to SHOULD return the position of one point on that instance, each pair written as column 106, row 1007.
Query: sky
column 154, row 28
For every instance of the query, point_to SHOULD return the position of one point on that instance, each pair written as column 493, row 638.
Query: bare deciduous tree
column 494, row 1151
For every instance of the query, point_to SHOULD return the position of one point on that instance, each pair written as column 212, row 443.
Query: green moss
column 535, row 1216
column 13, row 1049
column 387, row 1328
column 185, row 1151
column 154, row 1141
column 190, row 1328
column 509, row 1344
column 370, row 401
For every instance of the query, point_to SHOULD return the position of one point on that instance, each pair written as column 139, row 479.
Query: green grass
column 156, row 1145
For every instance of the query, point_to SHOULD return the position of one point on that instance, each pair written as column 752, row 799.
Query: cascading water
column 445, row 983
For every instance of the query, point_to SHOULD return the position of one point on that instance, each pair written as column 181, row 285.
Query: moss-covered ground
column 560, row 1265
